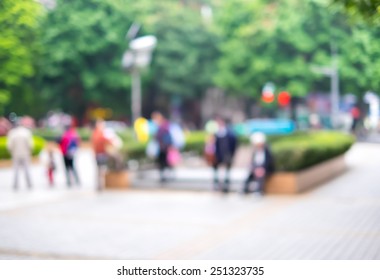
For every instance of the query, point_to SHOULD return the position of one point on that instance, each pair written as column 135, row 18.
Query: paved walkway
column 339, row 220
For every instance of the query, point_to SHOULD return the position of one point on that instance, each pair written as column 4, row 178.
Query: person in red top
column 355, row 114
column 99, row 144
column 69, row 144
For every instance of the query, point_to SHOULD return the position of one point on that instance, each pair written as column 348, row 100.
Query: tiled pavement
column 339, row 220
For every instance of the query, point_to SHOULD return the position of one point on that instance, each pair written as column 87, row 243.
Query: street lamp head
column 142, row 49
column 138, row 56
column 144, row 43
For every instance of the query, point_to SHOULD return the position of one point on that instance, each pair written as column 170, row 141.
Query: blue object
column 152, row 127
column 178, row 137
column 267, row 126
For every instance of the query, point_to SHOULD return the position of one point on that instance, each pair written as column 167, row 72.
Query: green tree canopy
column 280, row 41
column 18, row 47
column 186, row 52
column 70, row 57
column 81, row 62
column 369, row 10
column 83, row 42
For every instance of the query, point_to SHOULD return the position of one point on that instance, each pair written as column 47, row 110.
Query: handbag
column 173, row 157
column 209, row 153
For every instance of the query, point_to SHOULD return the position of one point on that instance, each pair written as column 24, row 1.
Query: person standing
column 262, row 164
column 20, row 145
column 164, row 140
column 225, row 147
column 100, row 144
column 51, row 166
column 355, row 115
column 69, row 144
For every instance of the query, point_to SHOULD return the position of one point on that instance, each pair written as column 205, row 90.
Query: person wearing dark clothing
column 355, row 114
column 165, row 141
column 69, row 144
column 262, row 164
column 225, row 147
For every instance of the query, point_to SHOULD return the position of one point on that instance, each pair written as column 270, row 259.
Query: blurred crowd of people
column 165, row 144
column 106, row 145
column 220, row 149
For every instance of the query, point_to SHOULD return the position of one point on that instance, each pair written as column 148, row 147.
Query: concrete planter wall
column 117, row 180
column 8, row 162
column 296, row 182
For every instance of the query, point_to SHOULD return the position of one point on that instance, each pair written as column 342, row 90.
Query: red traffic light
column 283, row 98
column 267, row 97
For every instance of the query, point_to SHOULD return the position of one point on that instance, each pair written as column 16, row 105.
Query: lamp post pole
column 136, row 94
column 334, row 86
column 134, row 60
column 333, row 73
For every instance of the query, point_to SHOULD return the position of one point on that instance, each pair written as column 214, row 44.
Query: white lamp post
column 333, row 73
column 136, row 58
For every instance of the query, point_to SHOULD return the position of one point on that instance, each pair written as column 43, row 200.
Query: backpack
column 72, row 148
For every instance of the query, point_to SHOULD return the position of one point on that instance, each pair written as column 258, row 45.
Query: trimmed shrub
column 53, row 134
column 38, row 145
column 135, row 150
column 299, row 151
column 291, row 152
column 195, row 142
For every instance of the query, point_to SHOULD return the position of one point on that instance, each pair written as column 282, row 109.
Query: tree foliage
column 369, row 10
column 81, row 61
column 84, row 42
column 19, row 22
column 184, row 60
column 70, row 57
column 185, row 55
column 280, row 41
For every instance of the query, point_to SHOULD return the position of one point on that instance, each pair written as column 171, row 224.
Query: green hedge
column 48, row 134
column 291, row 152
column 53, row 134
column 299, row 151
column 194, row 143
column 38, row 145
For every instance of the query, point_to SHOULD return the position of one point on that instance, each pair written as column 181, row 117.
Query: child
column 51, row 166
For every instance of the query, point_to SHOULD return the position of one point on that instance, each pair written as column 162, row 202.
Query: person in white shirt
column 262, row 164
column 20, row 145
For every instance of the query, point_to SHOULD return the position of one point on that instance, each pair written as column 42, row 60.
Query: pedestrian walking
column 355, row 115
column 100, row 144
column 69, row 144
column 262, row 164
column 225, row 147
column 20, row 145
column 165, row 143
